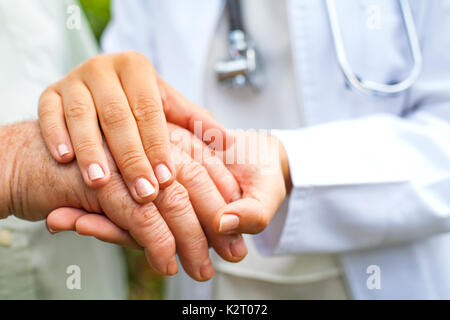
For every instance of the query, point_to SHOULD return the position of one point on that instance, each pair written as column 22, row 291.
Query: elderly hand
column 124, row 93
column 33, row 184
column 259, row 164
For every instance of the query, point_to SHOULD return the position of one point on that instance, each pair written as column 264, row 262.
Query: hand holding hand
column 262, row 172
column 261, row 169
column 38, row 185
column 124, row 93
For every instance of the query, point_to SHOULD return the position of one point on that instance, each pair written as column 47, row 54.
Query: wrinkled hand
column 259, row 164
column 171, row 224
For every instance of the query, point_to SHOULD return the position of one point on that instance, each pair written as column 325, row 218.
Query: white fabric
column 371, row 174
column 246, row 109
column 38, row 49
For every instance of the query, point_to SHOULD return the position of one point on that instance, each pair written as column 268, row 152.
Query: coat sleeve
column 364, row 183
column 130, row 28
column 384, row 179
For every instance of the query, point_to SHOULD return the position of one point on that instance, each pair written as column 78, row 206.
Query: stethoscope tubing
column 355, row 81
column 371, row 87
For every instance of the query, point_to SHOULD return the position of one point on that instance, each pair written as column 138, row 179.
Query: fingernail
column 207, row 270
column 238, row 248
column 228, row 223
column 63, row 149
column 172, row 267
column 162, row 173
column 144, row 188
column 95, row 172
column 52, row 232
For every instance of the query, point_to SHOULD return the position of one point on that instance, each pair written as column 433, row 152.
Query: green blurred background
column 144, row 284
column 98, row 14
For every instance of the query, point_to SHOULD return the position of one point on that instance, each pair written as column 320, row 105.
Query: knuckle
column 176, row 200
column 114, row 113
column 52, row 129
column 131, row 57
column 147, row 108
column 86, row 146
column 193, row 172
column 77, row 109
column 164, row 240
column 145, row 217
column 197, row 241
column 262, row 222
column 45, row 110
column 72, row 77
column 157, row 145
column 131, row 159
column 115, row 192
column 95, row 63
column 49, row 90
column 46, row 105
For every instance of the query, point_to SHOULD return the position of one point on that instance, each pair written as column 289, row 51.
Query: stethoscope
column 244, row 68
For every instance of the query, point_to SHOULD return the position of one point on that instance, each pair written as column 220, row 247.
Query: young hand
column 121, row 96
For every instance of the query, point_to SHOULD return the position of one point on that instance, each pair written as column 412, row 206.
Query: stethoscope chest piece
column 244, row 66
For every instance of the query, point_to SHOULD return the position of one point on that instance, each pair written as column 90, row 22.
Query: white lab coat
column 38, row 49
column 371, row 175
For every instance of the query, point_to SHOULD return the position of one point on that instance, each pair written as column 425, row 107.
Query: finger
column 207, row 201
column 53, row 126
column 102, row 228
column 138, row 79
column 89, row 224
column 252, row 214
column 121, row 132
column 199, row 121
column 143, row 222
column 63, row 219
column 192, row 247
column 260, row 176
column 197, row 150
column 87, row 141
column 243, row 216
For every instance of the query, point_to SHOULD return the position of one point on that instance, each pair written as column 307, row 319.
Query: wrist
column 7, row 164
column 37, row 183
column 27, row 185
column 15, row 139
column 284, row 163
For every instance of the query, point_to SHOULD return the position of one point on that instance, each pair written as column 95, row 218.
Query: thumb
column 253, row 213
column 247, row 215
column 89, row 224
column 64, row 219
